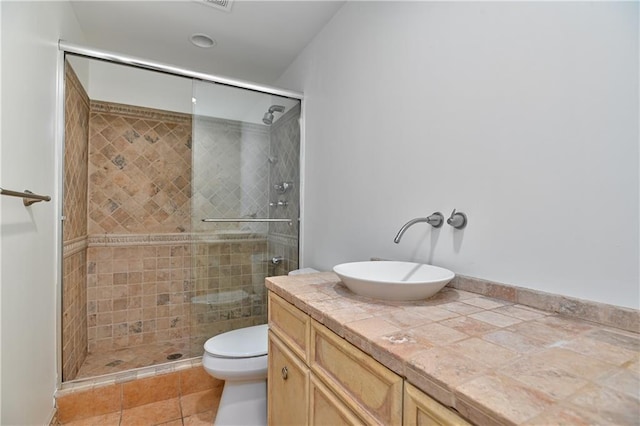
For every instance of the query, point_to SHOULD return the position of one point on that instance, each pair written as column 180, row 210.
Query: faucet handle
column 435, row 219
column 457, row 219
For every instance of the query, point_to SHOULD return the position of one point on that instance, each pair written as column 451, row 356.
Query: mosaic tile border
column 74, row 246
column 178, row 238
column 139, row 112
column 610, row 315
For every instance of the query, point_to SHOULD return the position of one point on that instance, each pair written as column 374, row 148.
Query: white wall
column 30, row 32
column 522, row 115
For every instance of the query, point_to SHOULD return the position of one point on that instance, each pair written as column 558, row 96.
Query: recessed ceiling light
column 202, row 40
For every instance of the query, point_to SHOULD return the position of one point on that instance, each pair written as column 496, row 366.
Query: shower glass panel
column 127, row 215
column 147, row 157
column 244, row 204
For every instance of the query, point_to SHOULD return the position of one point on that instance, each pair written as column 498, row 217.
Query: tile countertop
column 494, row 361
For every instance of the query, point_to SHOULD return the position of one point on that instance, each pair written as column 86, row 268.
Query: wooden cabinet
column 421, row 409
column 325, row 409
column 370, row 389
column 318, row 378
column 287, row 386
column 290, row 324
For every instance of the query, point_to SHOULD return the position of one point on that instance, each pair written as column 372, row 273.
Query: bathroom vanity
column 316, row 377
column 455, row 359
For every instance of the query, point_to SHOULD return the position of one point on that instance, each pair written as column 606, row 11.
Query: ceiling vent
column 218, row 4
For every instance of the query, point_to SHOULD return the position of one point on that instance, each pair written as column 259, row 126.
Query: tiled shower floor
column 97, row 364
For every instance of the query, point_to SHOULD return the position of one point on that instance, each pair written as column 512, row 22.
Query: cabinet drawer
column 287, row 386
column 371, row 390
column 421, row 409
column 290, row 324
column 326, row 409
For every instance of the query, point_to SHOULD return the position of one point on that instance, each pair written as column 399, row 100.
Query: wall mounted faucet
column 457, row 219
column 435, row 219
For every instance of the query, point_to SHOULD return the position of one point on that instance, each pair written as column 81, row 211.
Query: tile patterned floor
column 183, row 411
column 97, row 364
column 185, row 397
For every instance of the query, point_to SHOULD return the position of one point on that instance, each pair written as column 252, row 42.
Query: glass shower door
column 244, row 223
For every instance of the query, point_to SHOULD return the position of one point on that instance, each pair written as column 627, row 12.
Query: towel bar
column 247, row 220
column 28, row 197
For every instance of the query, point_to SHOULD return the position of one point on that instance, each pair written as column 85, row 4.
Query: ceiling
column 256, row 40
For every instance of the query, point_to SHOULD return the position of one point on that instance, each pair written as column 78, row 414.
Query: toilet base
column 243, row 404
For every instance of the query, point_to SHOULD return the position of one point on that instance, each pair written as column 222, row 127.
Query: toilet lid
column 241, row 343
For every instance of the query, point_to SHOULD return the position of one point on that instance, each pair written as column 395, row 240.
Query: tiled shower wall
column 229, row 286
column 285, row 156
column 74, row 297
column 230, row 173
column 140, row 254
column 139, row 170
column 136, row 291
column 141, row 291
column 138, row 261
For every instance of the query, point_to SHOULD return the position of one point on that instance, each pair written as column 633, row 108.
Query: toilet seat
column 245, row 342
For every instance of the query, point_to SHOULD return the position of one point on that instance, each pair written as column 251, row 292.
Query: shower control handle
column 283, row 187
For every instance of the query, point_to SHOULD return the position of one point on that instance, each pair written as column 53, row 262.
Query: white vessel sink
column 389, row 280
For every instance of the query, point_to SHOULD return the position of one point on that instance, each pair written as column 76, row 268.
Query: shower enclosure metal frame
column 64, row 48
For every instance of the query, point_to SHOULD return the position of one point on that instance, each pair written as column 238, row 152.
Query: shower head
column 268, row 116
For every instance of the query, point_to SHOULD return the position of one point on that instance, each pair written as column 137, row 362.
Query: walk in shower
column 180, row 196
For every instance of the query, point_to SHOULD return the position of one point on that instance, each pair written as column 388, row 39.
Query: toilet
column 239, row 357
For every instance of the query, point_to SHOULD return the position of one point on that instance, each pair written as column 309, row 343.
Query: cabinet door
column 288, row 386
column 421, row 409
column 327, row 409
column 367, row 387
column 290, row 324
